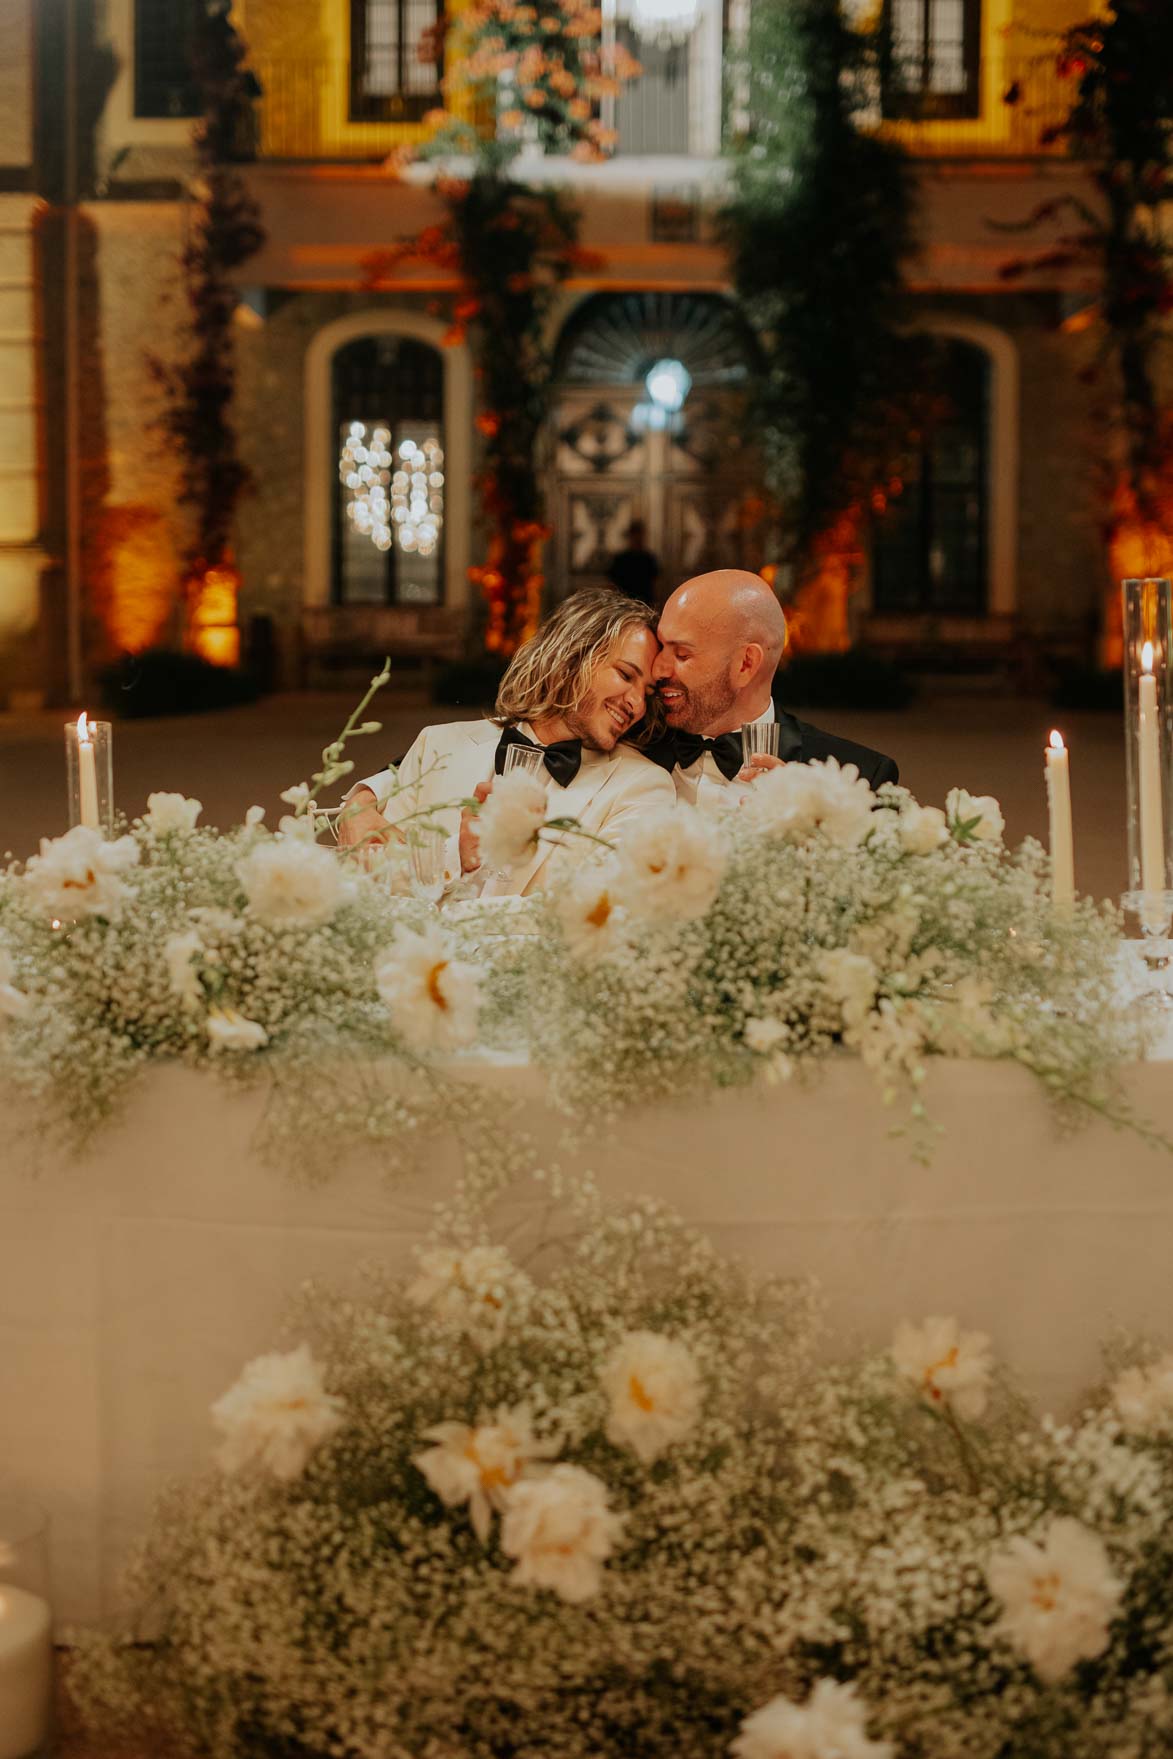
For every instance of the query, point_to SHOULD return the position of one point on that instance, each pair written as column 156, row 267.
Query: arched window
column 389, row 500
column 930, row 548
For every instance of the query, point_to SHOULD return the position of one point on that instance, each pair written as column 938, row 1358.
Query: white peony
column 851, row 979
column 561, row 1531
column 510, row 819
column 654, row 1389
column 1059, row 1597
column 292, row 883
column 922, row 829
column 1143, row 1397
column 469, row 1286
column 171, row 812
column 13, row 1001
column 950, row 1368
column 276, row 1415
column 799, row 799
column 431, row 995
column 830, row 1725
column 183, row 980
column 974, row 818
column 588, row 911
column 230, row 1031
column 479, row 1466
column 79, row 874
column 670, row 864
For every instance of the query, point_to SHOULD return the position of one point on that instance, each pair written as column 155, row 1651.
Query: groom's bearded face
column 694, row 676
column 618, row 692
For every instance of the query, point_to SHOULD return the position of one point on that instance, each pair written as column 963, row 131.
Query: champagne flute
column 529, row 758
column 759, row 739
column 425, row 852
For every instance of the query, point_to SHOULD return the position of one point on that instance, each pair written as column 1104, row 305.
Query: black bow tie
column 563, row 759
column 726, row 750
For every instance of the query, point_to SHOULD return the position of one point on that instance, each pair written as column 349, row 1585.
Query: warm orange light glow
column 1146, row 657
column 84, row 735
column 1056, row 740
column 220, row 647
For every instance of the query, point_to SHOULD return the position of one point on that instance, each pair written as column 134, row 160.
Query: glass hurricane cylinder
column 1148, row 751
column 26, row 1664
column 89, row 773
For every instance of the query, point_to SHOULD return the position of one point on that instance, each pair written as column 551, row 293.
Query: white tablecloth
column 136, row 1281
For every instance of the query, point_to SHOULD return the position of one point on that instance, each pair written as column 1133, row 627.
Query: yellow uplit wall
column 301, row 53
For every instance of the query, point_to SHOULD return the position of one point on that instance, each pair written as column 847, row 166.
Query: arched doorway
column 390, row 505
column 690, row 475
column 931, row 550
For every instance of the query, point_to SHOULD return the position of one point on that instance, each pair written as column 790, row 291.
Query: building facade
column 998, row 538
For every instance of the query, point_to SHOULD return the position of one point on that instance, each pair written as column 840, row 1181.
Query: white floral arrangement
column 819, row 915
column 628, row 1510
column 816, row 915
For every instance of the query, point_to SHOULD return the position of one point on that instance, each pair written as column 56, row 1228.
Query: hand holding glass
column 759, row 739
column 524, row 757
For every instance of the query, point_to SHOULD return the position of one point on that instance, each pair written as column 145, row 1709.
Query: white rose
column 654, row 1389
column 801, row 798
column 1059, row 1598
column 830, row 1725
column 510, row 819
column 851, row 979
column 561, row 1531
column 922, row 829
column 79, row 874
column 432, row 996
column 950, row 1368
column 292, row 883
column 1143, row 1397
column 670, row 864
column 230, row 1031
column 974, row 818
column 275, row 1416
column 171, row 812
column 480, row 1465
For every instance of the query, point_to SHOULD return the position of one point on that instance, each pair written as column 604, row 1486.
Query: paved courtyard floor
column 990, row 745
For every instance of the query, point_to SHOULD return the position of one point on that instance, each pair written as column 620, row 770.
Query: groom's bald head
column 722, row 636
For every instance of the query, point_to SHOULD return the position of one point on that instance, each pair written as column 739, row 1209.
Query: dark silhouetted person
column 634, row 570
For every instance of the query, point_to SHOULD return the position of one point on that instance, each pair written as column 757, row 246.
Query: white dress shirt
column 702, row 785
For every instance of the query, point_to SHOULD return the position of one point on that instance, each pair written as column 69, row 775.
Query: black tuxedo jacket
column 799, row 742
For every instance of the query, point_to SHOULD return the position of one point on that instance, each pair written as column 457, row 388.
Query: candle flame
column 1146, row 656
column 83, row 728
column 1056, row 740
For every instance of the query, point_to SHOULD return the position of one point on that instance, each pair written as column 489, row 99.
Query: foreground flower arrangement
column 626, row 1510
column 815, row 915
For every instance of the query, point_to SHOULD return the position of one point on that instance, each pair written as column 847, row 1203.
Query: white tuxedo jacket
column 610, row 792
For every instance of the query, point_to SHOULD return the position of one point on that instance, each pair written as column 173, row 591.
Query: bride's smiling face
column 618, row 692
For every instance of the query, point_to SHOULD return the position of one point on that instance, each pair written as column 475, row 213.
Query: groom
column 721, row 638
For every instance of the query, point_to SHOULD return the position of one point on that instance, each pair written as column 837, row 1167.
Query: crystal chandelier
column 663, row 23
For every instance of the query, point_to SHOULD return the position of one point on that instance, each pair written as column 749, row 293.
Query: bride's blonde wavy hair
column 553, row 671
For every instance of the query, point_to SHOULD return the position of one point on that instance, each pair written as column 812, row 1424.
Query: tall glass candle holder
column 26, row 1655
column 89, row 773
column 1148, row 759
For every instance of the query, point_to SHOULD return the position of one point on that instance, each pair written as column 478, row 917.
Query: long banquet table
column 136, row 1279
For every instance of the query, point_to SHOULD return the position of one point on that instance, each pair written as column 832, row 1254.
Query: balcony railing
column 305, row 114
